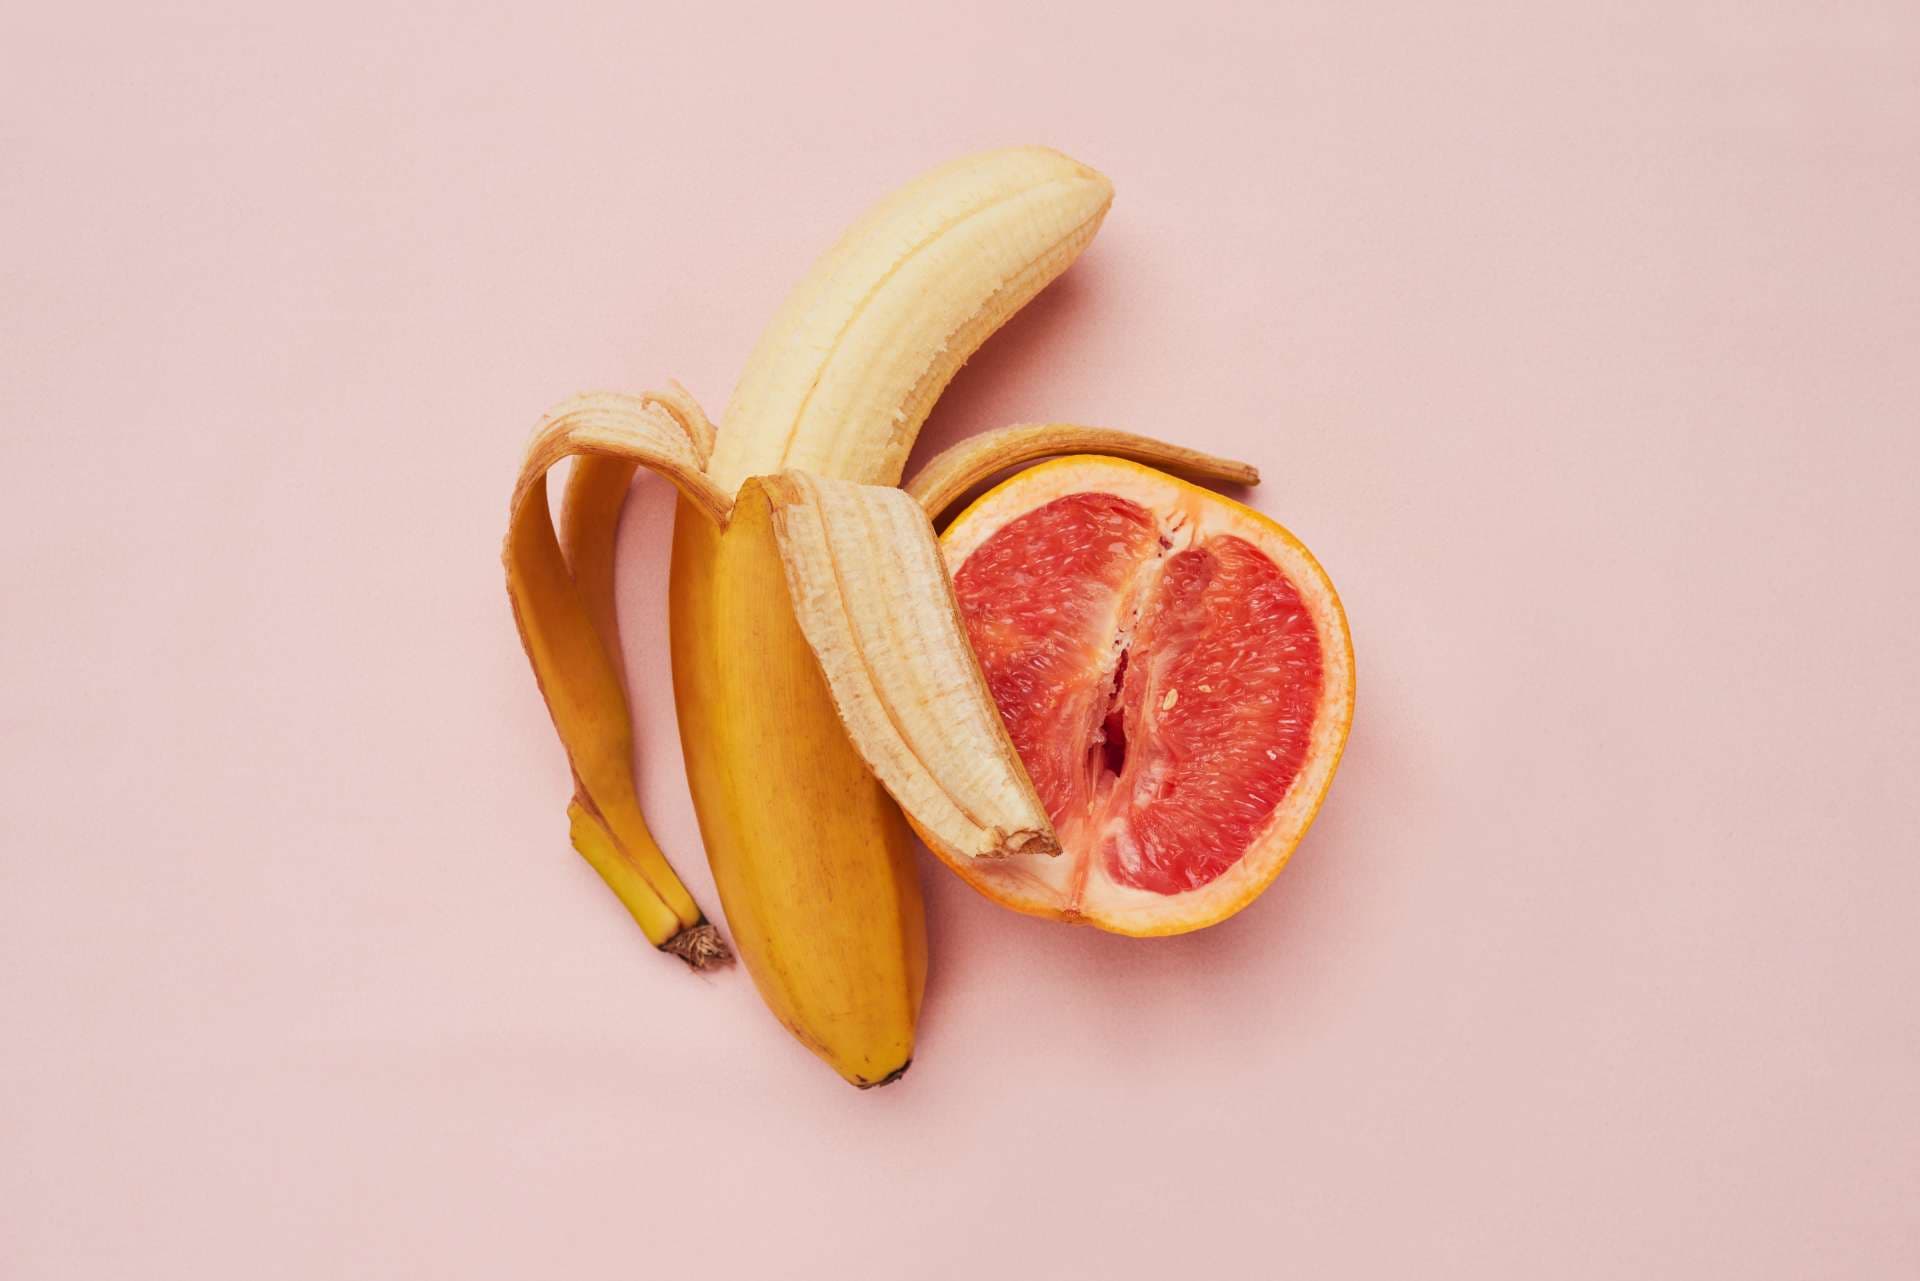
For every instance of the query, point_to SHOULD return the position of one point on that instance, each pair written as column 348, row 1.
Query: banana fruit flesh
column 850, row 366
column 821, row 674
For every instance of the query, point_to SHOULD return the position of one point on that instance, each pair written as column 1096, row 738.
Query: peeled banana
column 822, row 678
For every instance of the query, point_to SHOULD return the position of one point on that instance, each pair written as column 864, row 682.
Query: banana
column 812, row 862
column 821, row 674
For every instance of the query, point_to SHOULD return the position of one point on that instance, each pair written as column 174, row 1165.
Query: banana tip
column 888, row 1079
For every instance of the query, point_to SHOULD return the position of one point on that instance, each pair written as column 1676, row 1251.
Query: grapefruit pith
column 1175, row 671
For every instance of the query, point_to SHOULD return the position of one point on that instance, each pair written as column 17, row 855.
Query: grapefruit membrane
column 1175, row 671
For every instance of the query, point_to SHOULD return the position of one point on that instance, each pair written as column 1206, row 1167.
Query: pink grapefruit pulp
column 1175, row 671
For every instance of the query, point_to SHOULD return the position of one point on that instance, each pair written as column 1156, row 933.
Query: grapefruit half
column 1175, row 671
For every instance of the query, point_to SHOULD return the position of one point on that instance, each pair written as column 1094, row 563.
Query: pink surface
column 1578, row 341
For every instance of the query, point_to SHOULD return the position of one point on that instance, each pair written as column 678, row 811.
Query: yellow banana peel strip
column 568, row 630
column 603, row 853
column 871, row 594
column 954, row 471
column 590, row 513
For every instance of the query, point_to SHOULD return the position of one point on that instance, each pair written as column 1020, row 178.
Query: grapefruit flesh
column 1175, row 672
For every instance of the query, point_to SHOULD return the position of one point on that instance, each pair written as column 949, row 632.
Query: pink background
column 1581, row 342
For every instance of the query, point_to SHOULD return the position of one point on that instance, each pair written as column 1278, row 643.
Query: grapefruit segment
column 1044, row 602
column 1175, row 672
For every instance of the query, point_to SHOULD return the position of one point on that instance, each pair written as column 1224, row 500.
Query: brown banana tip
column 700, row 946
column 888, row 1079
